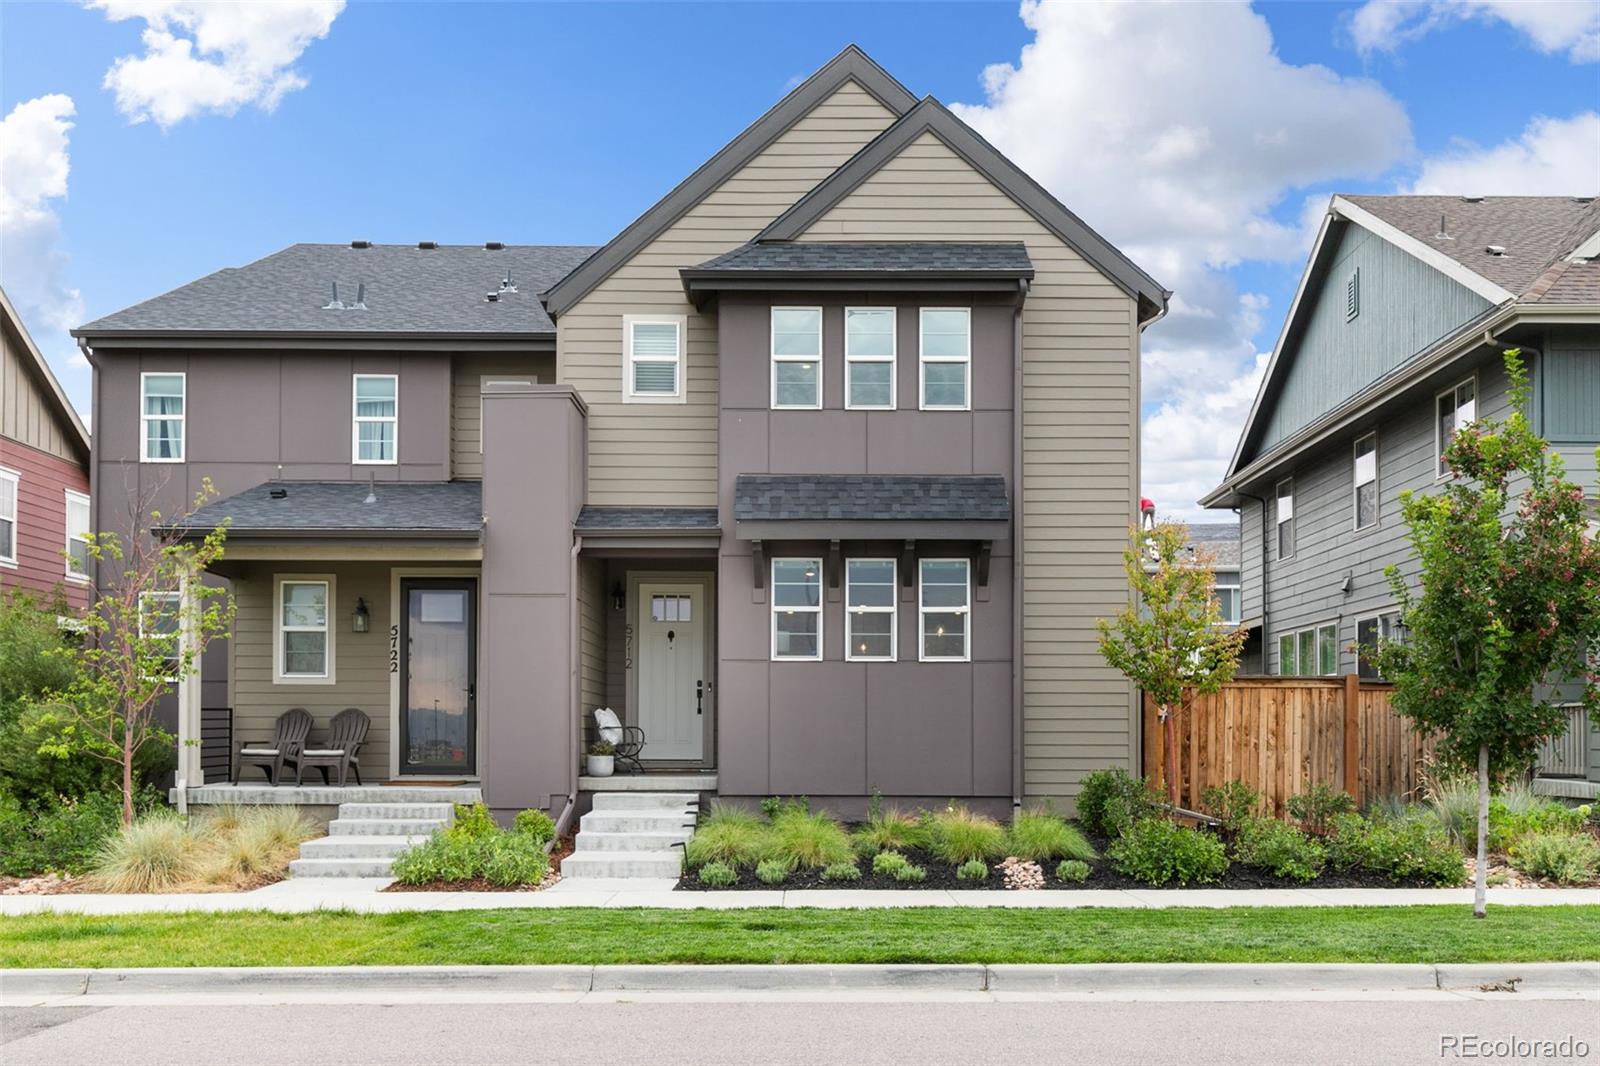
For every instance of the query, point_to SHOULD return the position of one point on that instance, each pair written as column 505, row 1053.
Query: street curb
column 1528, row 976
column 1182, row 977
column 969, row 977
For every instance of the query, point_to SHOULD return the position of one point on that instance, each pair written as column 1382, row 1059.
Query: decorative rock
column 1022, row 874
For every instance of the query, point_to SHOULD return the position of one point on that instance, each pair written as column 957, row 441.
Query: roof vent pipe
column 1496, row 250
column 1444, row 233
column 361, row 244
column 334, row 304
column 493, row 246
column 1472, row 199
column 427, row 246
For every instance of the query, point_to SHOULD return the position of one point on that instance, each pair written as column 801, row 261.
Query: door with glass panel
column 672, row 690
column 438, row 675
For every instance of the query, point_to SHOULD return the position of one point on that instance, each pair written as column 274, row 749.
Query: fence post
column 1352, row 735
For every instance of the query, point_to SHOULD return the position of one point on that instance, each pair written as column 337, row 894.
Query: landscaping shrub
column 1040, row 835
column 1280, row 848
column 472, row 821
column 59, row 836
column 809, row 841
column 37, row 779
column 473, row 847
column 972, row 870
column 718, row 875
column 1232, row 804
column 1565, row 858
column 889, row 830
column 536, row 824
column 440, row 858
column 155, row 854
column 842, row 871
column 1073, row 871
column 1400, row 850
column 1158, row 852
column 772, row 871
column 1315, row 809
column 1111, row 801
column 957, row 834
column 508, row 859
column 910, row 872
column 30, row 644
column 887, row 862
column 1510, row 822
column 729, row 835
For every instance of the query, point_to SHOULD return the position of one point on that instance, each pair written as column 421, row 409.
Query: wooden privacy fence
column 1281, row 735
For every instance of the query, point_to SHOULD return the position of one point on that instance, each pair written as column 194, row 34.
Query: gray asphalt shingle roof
column 867, row 497
column 407, row 289
column 1220, row 539
column 425, row 508
column 931, row 257
column 622, row 519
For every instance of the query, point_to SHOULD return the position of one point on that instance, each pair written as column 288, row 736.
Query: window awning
column 914, row 265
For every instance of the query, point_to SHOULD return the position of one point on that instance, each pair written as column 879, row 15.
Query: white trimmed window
column 796, row 358
column 944, row 351
column 869, row 358
column 1311, row 652
column 1453, row 409
column 1285, row 518
column 869, row 610
column 653, row 365
column 162, row 405
column 77, row 536
column 376, row 410
column 158, row 622
column 1370, row 631
column 1229, row 596
column 1366, row 481
column 302, row 610
column 797, row 609
column 944, row 604
column 9, row 482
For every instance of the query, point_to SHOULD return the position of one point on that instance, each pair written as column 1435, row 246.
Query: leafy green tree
column 1171, row 640
column 1509, row 600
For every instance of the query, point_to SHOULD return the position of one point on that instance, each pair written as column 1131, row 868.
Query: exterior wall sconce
column 619, row 598
column 361, row 621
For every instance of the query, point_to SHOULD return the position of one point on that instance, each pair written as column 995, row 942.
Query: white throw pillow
column 609, row 725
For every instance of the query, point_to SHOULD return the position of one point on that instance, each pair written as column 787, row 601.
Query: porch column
column 190, row 772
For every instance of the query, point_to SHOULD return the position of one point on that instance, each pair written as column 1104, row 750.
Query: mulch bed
column 562, row 849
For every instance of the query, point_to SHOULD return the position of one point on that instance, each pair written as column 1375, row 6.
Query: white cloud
column 1552, row 26
column 1178, row 132
column 212, row 57
column 1551, row 157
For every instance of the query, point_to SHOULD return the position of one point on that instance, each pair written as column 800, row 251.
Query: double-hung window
column 1370, row 632
column 377, row 418
column 1366, row 481
column 945, row 358
column 1310, row 652
column 1228, row 596
column 869, row 358
column 77, row 535
column 9, row 480
column 1285, row 517
column 162, row 406
column 303, row 652
column 1454, row 408
column 653, row 348
column 797, row 609
column 797, row 357
column 159, row 617
column 869, row 610
column 944, row 603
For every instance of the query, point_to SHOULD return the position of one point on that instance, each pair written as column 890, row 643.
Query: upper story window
column 945, row 357
column 159, row 618
column 162, row 404
column 869, row 610
column 1285, row 517
column 377, row 417
column 797, row 357
column 653, row 364
column 77, row 535
column 9, row 480
column 1228, row 596
column 797, row 609
column 1453, row 409
column 869, row 358
column 1366, row 481
column 304, row 644
column 944, row 600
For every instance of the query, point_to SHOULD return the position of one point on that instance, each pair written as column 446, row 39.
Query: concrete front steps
column 367, row 834
column 632, row 834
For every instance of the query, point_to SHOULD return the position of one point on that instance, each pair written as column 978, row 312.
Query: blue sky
column 560, row 123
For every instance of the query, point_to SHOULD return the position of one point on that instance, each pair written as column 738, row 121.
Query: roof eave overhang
column 870, row 529
column 404, row 340
column 454, row 536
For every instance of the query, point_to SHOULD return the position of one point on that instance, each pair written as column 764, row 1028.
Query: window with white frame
column 944, row 350
column 77, row 548
column 797, row 357
column 159, row 614
column 1229, row 596
column 1370, row 632
column 9, row 482
column 797, row 609
column 1285, row 518
column 944, row 603
column 1310, row 652
column 1454, row 408
column 303, row 609
column 869, row 610
column 869, row 358
column 653, row 366
column 376, row 408
column 162, row 405
column 1366, row 481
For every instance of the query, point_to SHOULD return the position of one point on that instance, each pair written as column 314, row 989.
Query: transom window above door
column 377, row 418
column 797, row 357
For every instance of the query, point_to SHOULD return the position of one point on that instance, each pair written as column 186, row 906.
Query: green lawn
column 1289, row 934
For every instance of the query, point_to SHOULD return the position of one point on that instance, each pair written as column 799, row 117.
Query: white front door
column 671, row 663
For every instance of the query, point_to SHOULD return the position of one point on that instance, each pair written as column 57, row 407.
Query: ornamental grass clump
column 809, row 841
column 889, row 830
column 230, row 848
column 957, row 834
column 157, row 853
column 732, row 836
column 1041, row 835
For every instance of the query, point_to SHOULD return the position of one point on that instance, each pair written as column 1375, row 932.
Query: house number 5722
column 394, row 649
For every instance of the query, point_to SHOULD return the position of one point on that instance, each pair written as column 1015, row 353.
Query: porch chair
column 346, row 733
column 289, row 734
column 626, row 740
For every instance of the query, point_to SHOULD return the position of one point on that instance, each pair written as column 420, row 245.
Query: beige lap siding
column 592, row 597
column 1080, row 451
column 666, row 454
column 361, row 660
column 466, row 400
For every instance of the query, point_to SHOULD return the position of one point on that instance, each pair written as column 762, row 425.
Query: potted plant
column 602, row 759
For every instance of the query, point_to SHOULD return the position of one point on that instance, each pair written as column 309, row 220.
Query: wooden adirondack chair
column 346, row 733
column 289, row 734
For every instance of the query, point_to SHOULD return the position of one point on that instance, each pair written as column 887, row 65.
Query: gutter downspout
column 1016, row 549
column 1265, row 583
column 564, row 819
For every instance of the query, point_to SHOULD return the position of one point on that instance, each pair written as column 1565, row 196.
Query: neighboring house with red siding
column 44, row 472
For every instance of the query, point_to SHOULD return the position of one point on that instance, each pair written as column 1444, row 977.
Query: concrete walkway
column 362, row 894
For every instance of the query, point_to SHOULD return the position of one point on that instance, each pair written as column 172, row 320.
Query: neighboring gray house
column 1394, row 339
column 1219, row 542
column 819, row 472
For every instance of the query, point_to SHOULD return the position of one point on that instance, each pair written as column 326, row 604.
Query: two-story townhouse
column 44, row 473
column 1395, row 339
column 819, row 474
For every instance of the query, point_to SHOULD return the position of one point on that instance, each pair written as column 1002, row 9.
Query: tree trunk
column 1169, row 730
column 1480, row 886
column 127, row 779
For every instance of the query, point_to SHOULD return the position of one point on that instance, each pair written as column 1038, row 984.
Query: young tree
column 1509, row 600
column 1171, row 640
column 141, row 636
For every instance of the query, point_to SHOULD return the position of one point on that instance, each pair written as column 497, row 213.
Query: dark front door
column 439, row 671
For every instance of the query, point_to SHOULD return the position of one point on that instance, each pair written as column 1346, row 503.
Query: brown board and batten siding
column 466, row 400
column 1080, row 450
column 27, row 415
column 666, row 454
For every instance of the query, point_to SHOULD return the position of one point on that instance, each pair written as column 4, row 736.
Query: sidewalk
column 363, row 894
